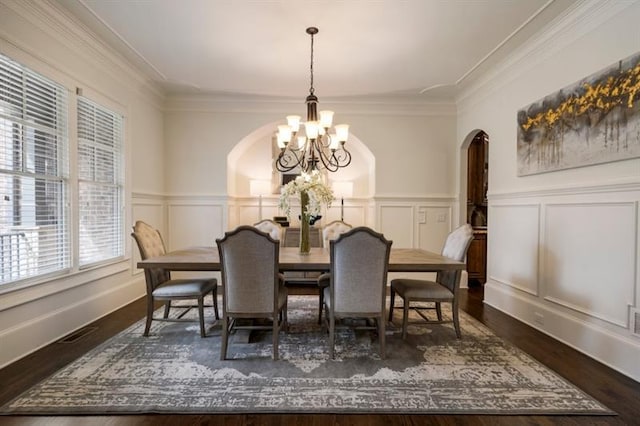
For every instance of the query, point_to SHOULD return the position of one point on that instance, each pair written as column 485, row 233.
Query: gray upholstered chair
column 252, row 286
column 270, row 227
column 444, row 289
column 160, row 286
column 329, row 233
column 359, row 264
column 333, row 230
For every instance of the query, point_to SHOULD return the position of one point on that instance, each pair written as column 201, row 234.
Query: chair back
column 249, row 270
column 270, row 227
column 359, row 264
column 150, row 244
column 455, row 247
column 333, row 230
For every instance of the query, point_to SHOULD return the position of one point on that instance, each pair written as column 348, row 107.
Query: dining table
column 290, row 259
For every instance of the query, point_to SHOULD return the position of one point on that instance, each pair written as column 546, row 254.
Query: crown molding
column 378, row 105
column 51, row 18
column 571, row 25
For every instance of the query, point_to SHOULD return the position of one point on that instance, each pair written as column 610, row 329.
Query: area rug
column 175, row 371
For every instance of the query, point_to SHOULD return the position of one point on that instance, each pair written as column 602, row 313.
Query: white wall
column 412, row 145
column 563, row 246
column 43, row 38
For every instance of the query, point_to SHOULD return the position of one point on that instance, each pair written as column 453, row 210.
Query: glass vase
column 305, row 247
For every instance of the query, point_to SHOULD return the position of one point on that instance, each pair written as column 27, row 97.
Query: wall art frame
column 595, row 120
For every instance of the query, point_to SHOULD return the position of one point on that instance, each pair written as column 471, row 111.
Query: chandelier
column 321, row 147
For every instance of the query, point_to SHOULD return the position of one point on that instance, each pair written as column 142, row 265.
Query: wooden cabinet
column 477, row 257
column 477, row 185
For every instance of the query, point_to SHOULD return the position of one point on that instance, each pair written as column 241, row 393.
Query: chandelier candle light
column 319, row 147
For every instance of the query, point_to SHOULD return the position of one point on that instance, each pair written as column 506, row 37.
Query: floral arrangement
column 311, row 184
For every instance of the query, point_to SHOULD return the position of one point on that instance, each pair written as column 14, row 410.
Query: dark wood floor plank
column 613, row 389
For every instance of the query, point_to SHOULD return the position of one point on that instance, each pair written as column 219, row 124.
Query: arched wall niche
column 252, row 158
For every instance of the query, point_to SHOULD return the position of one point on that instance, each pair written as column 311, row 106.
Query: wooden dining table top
column 207, row 259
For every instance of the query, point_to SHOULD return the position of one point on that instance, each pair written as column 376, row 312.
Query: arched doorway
column 476, row 179
column 252, row 159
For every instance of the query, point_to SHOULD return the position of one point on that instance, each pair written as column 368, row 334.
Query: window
column 34, row 175
column 36, row 179
column 100, row 183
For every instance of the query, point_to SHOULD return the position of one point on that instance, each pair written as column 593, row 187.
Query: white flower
column 319, row 193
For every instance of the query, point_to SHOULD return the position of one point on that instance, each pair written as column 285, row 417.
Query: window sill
column 12, row 295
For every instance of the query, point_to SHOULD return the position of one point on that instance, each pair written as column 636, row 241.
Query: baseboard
column 29, row 336
column 617, row 351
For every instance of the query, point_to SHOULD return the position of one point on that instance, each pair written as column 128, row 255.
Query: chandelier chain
column 311, row 89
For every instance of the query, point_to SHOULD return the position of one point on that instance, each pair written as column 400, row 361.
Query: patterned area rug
column 175, row 371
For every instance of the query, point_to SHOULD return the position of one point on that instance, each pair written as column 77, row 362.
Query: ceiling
column 363, row 48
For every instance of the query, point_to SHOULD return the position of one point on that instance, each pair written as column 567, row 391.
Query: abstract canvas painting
column 595, row 120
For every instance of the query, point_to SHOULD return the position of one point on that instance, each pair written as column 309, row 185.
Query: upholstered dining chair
column 445, row 289
column 252, row 286
column 274, row 229
column 329, row 232
column 359, row 264
column 160, row 285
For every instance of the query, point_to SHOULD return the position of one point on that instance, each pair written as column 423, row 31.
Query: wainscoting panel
column 434, row 224
column 513, row 241
column 195, row 223
column 580, row 239
column 355, row 212
column 396, row 223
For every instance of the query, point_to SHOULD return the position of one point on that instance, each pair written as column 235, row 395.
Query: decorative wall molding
column 511, row 235
column 403, row 199
column 57, row 23
column 579, row 333
column 148, row 196
column 617, row 186
column 612, row 236
column 405, row 106
column 573, row 24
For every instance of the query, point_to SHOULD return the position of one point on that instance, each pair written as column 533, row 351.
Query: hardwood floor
column 618, row 392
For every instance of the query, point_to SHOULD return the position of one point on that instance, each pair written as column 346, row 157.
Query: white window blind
column 34, row 237
column 100, row 184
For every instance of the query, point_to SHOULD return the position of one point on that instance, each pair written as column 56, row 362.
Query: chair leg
column 276, row 335
column 215, row 302
column 201, row 315
column 225, row 337
column 382, row 336
column 439, row 311
column 320, row 303
column 167, row 308
column 456, row 319
column 332, row 336
column 405, row 317
column 392, row 302
column 147, row 326
column 286, row 317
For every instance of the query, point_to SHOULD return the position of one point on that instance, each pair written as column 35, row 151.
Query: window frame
column 38, row 286
column 119, row 177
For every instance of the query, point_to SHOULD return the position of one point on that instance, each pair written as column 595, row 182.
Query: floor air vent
column 635, row 322
column 77, row 335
